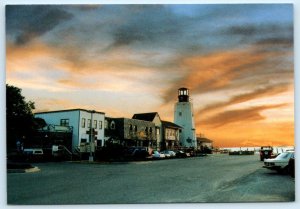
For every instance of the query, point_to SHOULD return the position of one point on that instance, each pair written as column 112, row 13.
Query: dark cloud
column 236, row 116
column 87, row 7
column 288, row 42
column 150, row 25
column 260, row 33
column 32, row 21
column 254, row 29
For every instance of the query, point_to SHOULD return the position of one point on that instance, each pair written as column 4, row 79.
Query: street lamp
column 91, row 157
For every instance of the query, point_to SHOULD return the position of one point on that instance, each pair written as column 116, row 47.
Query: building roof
column 69, row 110
column 203, row 139
column 145, row 116
column 170, row 124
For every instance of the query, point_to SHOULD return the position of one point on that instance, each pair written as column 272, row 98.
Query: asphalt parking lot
column 216, row 178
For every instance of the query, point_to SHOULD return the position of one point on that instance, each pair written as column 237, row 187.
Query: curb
column 29, row 170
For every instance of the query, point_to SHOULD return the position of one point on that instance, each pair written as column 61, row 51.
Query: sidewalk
column 13, row 167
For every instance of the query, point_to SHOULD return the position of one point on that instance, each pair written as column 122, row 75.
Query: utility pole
column 91, row 157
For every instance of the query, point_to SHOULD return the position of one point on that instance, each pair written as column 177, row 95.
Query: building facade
column 203, row 142
column 184, row 117
column 130, row 132
column 87, row 126
column 155, row 118
column 170, row 132
column 167, row 133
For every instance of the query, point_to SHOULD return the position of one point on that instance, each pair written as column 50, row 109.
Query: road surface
column 215, row 178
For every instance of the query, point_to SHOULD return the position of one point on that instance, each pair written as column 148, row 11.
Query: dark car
column 291, row 167
column 137, row 152
column 265, row 152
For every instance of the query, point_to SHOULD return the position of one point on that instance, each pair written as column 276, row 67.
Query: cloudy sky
column 236, row 59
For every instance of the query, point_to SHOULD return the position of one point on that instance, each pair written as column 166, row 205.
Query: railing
column 66, row 150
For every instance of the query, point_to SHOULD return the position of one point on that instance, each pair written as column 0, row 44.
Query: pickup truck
column 265, row 152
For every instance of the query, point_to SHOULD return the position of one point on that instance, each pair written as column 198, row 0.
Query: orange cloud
column 235, row 116
column 247, row 67
column 257, row 133
column 257, row 93
column 51, row 104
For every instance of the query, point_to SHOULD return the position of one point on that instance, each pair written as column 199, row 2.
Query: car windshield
column 284, row 155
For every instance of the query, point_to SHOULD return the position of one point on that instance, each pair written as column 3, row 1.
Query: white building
column 81, row 121
column 184, row 117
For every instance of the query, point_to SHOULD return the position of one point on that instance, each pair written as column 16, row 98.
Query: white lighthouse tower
column 184, row 117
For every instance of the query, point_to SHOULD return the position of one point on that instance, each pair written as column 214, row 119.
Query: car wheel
column 284, row 171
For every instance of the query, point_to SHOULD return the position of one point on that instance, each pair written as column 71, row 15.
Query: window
column 130, row 127
column 105, row 124
column 135, row 128
column 180, row 113
column 89, row 123
column 100, row 124
column 146, row 129
column 157, row 131
column 83, row 123
column 150, row 129
column 64, row 122
column 112, row 125
column 95, row 123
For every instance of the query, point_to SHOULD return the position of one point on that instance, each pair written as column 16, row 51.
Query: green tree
column 20, row 120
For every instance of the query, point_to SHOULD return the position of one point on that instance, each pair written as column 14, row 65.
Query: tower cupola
column 183, row 95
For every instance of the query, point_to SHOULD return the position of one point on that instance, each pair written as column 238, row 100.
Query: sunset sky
column 236, row 59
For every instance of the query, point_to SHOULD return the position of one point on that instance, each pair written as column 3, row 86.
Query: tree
column 19, row 116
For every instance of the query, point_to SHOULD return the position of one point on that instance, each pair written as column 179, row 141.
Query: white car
column 158, row 155
column 168, row 153
column 280, row 163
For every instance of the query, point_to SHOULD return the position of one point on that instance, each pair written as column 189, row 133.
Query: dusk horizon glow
column 237, row 60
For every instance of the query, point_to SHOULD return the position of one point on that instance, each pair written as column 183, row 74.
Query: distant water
column 278, row 149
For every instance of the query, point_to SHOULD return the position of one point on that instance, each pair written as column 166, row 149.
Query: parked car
column 180, row 154
column 265, row 152
column 35, row 154
column 168, row 153
column 158, row 155
column 291, row 168
column 137, row 152
column 280, row 163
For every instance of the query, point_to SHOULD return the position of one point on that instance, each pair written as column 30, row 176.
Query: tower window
column 180, row 113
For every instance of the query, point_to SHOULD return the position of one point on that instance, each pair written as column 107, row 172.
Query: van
column 33, row 151
column 35, row 154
